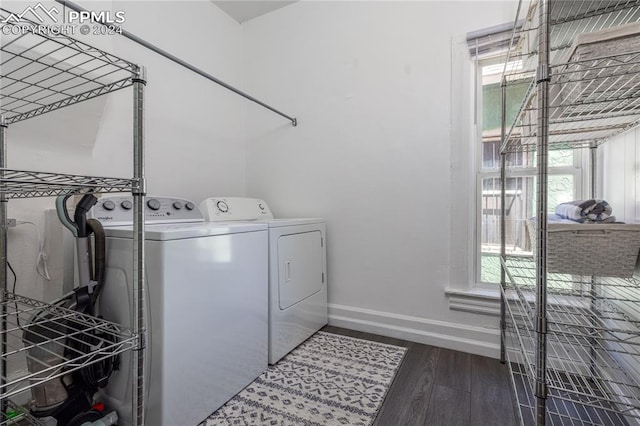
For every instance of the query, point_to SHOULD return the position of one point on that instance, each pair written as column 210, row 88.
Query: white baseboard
column 460, row 337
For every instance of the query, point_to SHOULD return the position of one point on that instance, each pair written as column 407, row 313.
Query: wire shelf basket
column 591, row 98
column 587, row 385
column 40, row 72
column 28, row 184
column 53, row 341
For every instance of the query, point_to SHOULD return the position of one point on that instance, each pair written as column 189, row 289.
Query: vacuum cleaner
column 70, row 398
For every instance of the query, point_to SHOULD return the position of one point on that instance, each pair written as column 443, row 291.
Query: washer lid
column 177, row 231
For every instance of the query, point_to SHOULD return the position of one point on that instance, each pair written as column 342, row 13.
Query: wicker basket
column 586, row 80
column 608, row 250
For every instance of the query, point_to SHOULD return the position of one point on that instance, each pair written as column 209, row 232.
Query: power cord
column 41, row 265
column 13, row 290
column 41, row 262
column 15, row 277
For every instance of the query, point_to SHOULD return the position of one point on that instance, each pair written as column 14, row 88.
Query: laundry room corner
column 372, row 154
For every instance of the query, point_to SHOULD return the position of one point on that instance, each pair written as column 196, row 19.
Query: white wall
column 370, row 83
column 619, row 175
column 194, row 134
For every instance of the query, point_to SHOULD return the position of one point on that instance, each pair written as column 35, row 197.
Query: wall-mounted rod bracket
column 180, row 62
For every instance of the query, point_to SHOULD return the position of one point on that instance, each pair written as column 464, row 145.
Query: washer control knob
column 153, row 204
column 109, row 205
column 222, row 206
column 126, row 204
column 177, row 205
column 189, row 206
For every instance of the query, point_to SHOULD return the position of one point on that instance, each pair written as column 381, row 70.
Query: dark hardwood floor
column 436, row 386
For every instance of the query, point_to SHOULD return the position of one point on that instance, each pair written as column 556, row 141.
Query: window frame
column 575, row 170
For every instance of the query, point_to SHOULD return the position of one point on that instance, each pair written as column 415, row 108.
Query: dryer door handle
column 287, row 266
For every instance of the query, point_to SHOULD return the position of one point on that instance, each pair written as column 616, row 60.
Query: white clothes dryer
column 297, row 269
column 206, row 307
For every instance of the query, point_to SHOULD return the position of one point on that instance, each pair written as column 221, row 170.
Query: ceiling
column 243, row 10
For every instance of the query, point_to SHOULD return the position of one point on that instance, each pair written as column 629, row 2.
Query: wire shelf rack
column 569, row 18
column 54, row 341
column 40, row 73
column 523, row 271
column 28, row 184
column 18, row 416
column 586, row 384
column 583, row 306
column 591, row 98
column 574, row 358
column 590, row 102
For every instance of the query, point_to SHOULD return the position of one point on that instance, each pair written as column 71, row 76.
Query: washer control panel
column 221, row 209
column 118, row 210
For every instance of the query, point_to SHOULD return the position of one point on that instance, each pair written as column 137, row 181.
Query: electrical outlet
column 11, row 223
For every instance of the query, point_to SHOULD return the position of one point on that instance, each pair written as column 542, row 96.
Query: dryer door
column 299, row 267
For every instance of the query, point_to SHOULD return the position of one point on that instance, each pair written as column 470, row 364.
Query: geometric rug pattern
column 328, row 380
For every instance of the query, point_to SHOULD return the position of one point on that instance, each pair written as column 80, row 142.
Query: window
column 564, row 172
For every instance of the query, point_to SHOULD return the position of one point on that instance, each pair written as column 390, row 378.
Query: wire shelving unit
column 572, row 343
column 40, row 73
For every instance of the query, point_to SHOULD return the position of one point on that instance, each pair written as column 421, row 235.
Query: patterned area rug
column 328, row 380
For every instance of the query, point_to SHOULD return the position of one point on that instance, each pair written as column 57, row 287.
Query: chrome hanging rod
column 187, row 65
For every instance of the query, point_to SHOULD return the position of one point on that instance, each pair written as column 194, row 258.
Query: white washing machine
column 206, row 307
column 297, row 270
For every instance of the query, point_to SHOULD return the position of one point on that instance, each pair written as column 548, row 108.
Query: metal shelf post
column 138, row 370
column 594, row 281
column 542, row 79
column 3, row 257
column 503, row 227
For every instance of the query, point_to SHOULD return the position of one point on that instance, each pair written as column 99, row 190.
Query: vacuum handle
column 63, row 214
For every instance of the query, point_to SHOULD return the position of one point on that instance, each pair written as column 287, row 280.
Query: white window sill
column 483, row 301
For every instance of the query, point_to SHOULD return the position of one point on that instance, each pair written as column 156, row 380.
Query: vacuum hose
column 99, row 255
column 80, row 215
column 98, row 373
